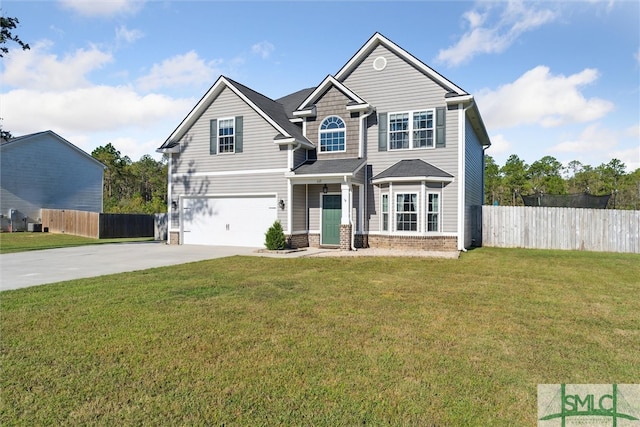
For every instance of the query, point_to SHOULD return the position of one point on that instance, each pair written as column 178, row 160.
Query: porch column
column 345, row 220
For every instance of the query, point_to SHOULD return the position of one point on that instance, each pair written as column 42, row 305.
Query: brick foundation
column 427, row 243
column 361, row 241
column 314, row 240
column 174, row 238
column 345, row 237
column 296, row 241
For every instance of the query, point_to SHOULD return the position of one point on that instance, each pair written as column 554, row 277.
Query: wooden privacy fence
column 97, row 225
column 603, row 230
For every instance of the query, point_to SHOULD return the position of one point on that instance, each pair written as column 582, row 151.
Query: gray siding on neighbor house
column 334, row 103
column 401, row 87
column 259, row 150
column 474, row 189
column 44, row 172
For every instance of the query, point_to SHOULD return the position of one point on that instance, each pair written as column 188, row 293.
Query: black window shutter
column 382, row 131
column 440, row 127
column 213, row 135
column 238, row 132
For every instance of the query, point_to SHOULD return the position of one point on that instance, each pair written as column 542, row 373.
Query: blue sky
column 550, row 78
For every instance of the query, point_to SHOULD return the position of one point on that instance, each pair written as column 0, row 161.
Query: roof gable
column 13, row 142
column 355, row 102
column 272, row 111
column 379, row 39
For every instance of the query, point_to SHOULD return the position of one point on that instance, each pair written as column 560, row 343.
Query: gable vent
column 380, row 63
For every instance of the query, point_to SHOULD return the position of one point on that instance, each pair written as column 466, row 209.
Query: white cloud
column 630, row 157
column 102, row 7
column 37, row 68
column 539, row 97
column 91, row 109
column 263, row 49
column 181, row 70
column 123, row 34
column 499, row 145
column 516, row 18
column 637, row 56
column 592, row 138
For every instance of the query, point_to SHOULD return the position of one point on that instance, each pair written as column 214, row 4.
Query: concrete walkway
column 32, row 268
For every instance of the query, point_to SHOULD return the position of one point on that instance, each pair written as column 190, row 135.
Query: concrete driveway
column 24, row 269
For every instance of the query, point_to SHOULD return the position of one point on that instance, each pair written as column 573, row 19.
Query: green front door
column 331, row 215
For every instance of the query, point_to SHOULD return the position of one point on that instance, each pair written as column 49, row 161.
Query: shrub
column 275, row 239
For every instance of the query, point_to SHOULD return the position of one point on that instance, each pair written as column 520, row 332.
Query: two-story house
column 385, row 153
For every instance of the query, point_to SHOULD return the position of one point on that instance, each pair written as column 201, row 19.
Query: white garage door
column 228, row 221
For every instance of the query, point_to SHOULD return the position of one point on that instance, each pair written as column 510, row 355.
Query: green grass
column 320, row 341
column 20, row 242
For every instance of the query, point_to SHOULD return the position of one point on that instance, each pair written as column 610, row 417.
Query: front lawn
column 20, row 242
column 320, row 341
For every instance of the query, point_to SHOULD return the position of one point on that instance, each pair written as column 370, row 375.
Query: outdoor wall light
column 325, row 189
column 281, row 204
column 174, row 204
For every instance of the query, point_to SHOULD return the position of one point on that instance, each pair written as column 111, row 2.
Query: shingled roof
column 413, row 169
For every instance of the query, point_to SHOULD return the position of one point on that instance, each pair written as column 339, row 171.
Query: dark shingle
column 412, row 168
column 321, row 167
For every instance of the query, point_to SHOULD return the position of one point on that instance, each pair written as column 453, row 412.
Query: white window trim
column 321, row 131
column 439, row 212
column 395, row 214
column 422, row 204
column 233, row 120
column 382, row 230
column 410, row 130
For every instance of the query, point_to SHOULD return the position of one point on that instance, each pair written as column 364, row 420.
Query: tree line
column 505, row 185
column 132, row 187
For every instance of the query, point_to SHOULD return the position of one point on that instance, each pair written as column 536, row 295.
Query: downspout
column 290, row 191
column 462, row 174
column 361, row 153
column 169, row 199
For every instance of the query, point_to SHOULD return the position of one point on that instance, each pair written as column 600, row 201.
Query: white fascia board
column 378, row 38
column 465, row 99
column 197, row 110
column 291, row 141
column 174, row 149
column 412, row 179
column 320, row 178
column 359, row 107
column 305, row 113
column 297, row 120
column 330, row 80
column 206, row 100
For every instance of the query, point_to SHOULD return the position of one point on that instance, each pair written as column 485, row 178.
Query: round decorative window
column 379, row 63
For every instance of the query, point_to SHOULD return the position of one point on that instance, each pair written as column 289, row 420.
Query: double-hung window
column 385, row 212
column 226, row 135
column 406, row 212
column 413, row 129
column 332, row 134
column 433, row 211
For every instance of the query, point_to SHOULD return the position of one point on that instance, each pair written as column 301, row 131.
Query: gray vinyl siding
column 259, row 150
column 474, row 191
column 299, row 208
column 401, row 87
column 334, row 103
column 44, row 172
column 236, row 185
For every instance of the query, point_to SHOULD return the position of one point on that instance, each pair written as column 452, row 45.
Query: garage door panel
column 228, row 221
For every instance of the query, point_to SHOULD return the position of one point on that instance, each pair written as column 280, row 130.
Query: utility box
column 34, row 228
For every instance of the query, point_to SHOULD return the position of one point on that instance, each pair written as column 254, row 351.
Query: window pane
column 406, row 216
column 399, row 131
column 433, row 210
column 225, row 136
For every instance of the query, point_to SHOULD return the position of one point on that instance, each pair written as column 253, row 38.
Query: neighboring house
column 44, row 170
column 385, row 153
